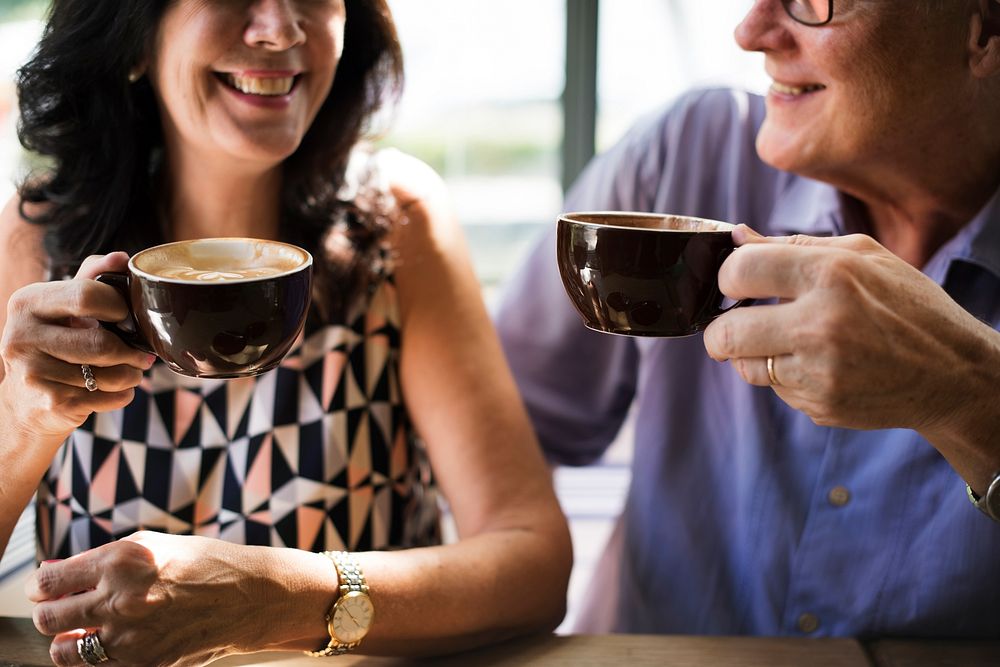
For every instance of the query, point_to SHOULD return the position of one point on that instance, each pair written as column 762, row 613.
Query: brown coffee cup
column 643, row 274
column 216, row 307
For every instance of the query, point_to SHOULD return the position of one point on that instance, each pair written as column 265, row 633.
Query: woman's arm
column 509, row 570
column 508, row 573
column 190, row 599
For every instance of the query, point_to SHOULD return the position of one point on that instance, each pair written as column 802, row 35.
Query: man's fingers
column 744, row 235
column 769, row 268
column 754, row 331
column 766, row 270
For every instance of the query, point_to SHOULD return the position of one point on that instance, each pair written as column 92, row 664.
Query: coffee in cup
column 643, row 274
column 215, row 307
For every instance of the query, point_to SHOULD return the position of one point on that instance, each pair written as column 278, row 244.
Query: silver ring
column 770, row 372
column 88, row 377
column 90, row 650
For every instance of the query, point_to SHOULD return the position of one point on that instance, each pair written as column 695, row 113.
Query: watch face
column 352, row 617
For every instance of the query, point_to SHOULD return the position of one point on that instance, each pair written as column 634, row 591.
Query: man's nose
column 764, row 28
column 274, row 25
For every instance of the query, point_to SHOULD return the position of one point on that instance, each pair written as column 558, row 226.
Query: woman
column 177, row 120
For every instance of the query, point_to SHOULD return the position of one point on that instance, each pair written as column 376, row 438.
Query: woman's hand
column 860, row 339
column 152, row 599
column 51, row 330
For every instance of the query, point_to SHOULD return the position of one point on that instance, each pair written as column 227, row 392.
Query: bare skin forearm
column 969, row 437
column 24, row 460
column 430, row 600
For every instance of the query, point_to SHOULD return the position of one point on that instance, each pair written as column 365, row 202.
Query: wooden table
column 20, row 644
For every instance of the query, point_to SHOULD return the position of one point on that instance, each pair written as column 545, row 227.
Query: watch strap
column 989, row 502
column 350, row 578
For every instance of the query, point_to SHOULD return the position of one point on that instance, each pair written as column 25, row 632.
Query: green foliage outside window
column 17, row 10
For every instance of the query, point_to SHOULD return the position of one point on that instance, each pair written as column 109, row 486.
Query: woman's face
column 244, row 78
column 880, row 79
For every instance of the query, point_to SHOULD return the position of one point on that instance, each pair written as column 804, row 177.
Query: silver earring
column 134, row 74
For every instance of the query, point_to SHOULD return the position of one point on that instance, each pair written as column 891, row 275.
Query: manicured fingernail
column 51, row 560
column 150, row 360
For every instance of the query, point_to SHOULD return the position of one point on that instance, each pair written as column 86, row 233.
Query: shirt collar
column 807, row 207
column 979, row 241
column 817, row 209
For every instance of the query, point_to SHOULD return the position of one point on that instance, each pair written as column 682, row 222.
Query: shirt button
column 839, row 496
column 808, row 623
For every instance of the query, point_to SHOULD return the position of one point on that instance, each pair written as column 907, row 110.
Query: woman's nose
column 273, row 25
column 764, row 28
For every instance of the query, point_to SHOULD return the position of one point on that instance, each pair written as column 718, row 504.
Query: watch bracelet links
column 983, row 503
column 349, row 578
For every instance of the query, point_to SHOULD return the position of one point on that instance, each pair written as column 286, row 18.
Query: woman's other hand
column 51, row 331
column 152, row 599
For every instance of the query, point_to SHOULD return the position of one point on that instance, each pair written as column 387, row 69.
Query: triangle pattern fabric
column 316, row 454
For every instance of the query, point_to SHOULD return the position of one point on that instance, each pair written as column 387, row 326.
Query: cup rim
column 573, row 217
column 217, row 239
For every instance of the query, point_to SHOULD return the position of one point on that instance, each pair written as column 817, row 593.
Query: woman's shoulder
column 22, row 251
column 418, row 193
column 21, row 240
column 408, row 179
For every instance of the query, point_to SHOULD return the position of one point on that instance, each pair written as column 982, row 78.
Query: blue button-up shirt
column 743, row 516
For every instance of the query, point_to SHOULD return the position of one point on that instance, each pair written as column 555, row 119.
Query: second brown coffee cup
column 643, row 274
column 217, row 307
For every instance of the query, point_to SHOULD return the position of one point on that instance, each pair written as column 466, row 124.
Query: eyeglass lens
column 810, row 12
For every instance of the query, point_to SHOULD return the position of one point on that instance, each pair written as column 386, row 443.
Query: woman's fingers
column 95, row 265
column 63, row 651
column 67, row 613
column 56, row 301
column 109, row 379
column 96, row 346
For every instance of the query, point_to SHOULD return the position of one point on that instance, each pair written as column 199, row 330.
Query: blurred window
column 482, row 106
column 650, row 51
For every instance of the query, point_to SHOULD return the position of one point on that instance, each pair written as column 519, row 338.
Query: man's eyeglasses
column 809, row 12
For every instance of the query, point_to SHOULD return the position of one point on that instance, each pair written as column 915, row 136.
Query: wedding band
column 90, row 650
column 770, row 372
column 88, row 377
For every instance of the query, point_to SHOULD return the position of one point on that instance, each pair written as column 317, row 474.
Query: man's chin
column 779, row 150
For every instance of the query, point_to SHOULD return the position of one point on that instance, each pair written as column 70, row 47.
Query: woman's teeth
column 795, row 90
column 270, row 86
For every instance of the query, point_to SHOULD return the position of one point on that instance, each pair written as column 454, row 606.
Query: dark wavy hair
column 102, row 143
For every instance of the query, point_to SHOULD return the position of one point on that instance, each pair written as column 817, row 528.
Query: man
column 815, row 484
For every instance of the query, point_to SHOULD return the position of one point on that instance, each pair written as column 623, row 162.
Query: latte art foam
column 216, row 275
column 222, row 260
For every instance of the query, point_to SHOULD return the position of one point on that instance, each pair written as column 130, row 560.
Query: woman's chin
column 271, row 150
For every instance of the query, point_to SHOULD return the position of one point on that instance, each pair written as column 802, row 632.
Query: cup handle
column 131, row 335
column 741, row 302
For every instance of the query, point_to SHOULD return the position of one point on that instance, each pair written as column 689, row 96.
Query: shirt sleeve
column 577, row 384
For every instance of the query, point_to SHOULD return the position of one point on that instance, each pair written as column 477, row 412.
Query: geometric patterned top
column 317, row 454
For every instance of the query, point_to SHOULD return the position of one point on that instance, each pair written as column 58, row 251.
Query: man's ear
column 984, row 40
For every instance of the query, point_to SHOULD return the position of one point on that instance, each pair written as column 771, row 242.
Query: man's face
column 866, row 90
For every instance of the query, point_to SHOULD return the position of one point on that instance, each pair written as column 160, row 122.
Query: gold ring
column 89, row 381
column 770, row 372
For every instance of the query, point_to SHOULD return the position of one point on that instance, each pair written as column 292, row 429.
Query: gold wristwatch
column 351, row 616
